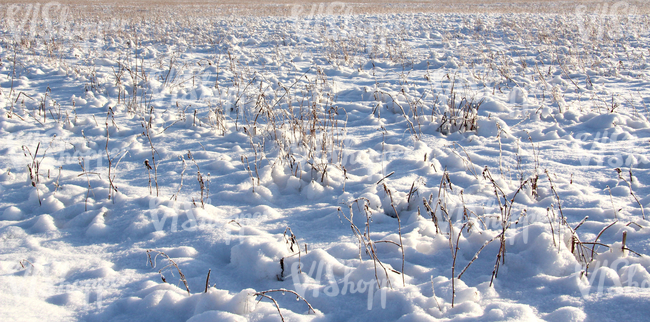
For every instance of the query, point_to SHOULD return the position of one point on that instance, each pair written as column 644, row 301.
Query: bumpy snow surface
column 403, row 167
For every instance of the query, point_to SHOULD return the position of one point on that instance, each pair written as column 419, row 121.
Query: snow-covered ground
column 407, row 167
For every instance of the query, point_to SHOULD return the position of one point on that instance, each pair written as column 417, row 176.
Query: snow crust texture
column 324, row 166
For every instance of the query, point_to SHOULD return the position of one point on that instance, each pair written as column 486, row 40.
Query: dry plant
column 171, row 263
column 33, row 168
column 147, row 133
column 23, row 263
column 415, row 133
column 399, row 228
column 207, row 281
column 365, row 241
column 264, row 294
column 459, row 116
column 292, row 243
column 577, row 248
column 85, row 172
column 178, row 192
column 204, row 183
column 112, row 188
column 454, row 239
column 505, row 206
column 629, row 184
column 250, row 173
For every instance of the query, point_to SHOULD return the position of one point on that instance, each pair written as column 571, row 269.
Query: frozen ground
column 361, row 161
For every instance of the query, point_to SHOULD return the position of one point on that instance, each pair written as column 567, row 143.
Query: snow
column 389, row 167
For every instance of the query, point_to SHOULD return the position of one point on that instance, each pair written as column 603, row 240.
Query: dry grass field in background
column 286, row 7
